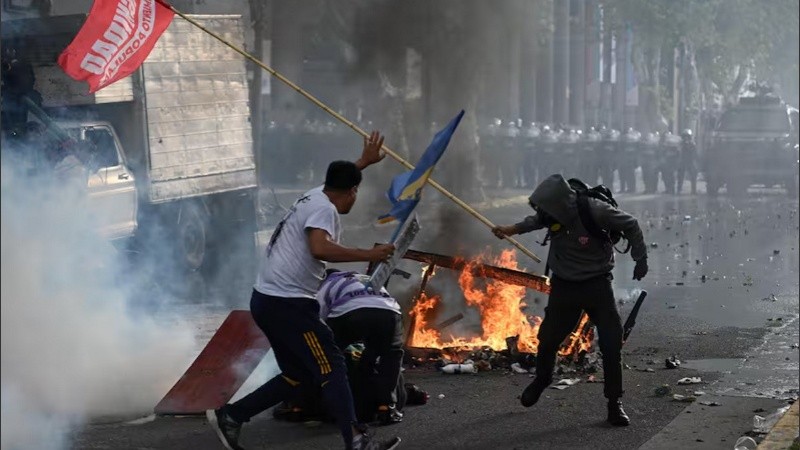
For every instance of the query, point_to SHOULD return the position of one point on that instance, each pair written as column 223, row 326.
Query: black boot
column 616, row 415
column 532, row 393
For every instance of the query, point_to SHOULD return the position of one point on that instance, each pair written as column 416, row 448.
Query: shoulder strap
column 588, row 222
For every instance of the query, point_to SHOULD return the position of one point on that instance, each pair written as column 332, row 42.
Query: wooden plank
column 219, row 371
column 510, row 276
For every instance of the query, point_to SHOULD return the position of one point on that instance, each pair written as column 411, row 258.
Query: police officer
column 587, row 159
column 581, row 263
column 688, row 161
column 629, row 160
column 570, row 152
column 490, row 145
column 530, row 143
column 649, row 162
column 606, row 155
column 547, row 153
column 510, row 155
column 669, row 158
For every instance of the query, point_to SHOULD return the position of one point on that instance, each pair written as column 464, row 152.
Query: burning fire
column 500, row 305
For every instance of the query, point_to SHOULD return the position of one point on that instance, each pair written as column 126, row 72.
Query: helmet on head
column 687, row 133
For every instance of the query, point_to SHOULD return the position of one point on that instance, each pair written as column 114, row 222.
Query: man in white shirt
column 356, row 313
column 283, row 305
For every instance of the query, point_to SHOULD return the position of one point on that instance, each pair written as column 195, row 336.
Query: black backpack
column 602, row 193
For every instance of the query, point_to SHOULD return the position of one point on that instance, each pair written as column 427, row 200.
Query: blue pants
column 306, row 354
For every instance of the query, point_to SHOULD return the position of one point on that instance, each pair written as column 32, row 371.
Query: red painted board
column 221, row 368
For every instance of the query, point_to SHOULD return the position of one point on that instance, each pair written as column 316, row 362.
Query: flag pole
column 350, row 125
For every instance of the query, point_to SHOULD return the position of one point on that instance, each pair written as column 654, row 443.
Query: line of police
column 518, row 156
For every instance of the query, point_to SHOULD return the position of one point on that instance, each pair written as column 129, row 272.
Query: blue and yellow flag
column 406, row 189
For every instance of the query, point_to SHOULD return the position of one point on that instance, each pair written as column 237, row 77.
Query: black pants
column 375, row 377
column 567, row 300
column 306, row 354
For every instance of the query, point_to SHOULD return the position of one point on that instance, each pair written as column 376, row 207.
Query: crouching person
column 357, row 314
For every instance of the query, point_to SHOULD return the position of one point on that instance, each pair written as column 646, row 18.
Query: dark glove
column 640, row 270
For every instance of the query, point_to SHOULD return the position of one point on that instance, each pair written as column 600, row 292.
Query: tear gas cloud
column 72, row 348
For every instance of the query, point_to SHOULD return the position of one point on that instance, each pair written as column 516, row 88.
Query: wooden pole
column 413, row 317
column 350, row 125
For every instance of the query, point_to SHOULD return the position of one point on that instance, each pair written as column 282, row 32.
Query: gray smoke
column 72, row 348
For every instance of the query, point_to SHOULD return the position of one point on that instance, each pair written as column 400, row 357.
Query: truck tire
column 191, row 236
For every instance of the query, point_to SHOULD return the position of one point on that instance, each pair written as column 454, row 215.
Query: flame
column 501, row 309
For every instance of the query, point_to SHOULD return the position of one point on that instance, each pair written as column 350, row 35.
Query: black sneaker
column 368, row 442
column 388, row 415
column 616, row 415
column 226, row 428
column 532, row 393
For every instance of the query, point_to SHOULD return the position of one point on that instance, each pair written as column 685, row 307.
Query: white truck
column 172, row 147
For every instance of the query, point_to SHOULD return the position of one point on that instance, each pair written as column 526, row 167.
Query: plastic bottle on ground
column 459, row 368
column 745, row 443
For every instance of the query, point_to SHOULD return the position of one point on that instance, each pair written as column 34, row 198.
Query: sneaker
column 616, row 415
column 388, row 415
column 368, row 442
column 226, row 428
column 532, row 393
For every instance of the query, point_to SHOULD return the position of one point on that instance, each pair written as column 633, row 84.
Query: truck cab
column 111, row 187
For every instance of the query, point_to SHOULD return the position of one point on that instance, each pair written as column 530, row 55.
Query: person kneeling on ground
column 356, row 314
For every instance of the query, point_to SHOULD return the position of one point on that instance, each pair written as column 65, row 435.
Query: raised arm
column 371, row 153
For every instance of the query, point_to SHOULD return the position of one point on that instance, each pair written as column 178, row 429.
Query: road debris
column 690, row 380
column 459, row 368
column 763, row 425
column 517, row 368
column 672, row 362
column 709, row 403
column 662, row 391
column 684, row 398
column 565, row 383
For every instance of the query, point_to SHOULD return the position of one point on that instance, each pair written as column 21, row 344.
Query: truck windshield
column 752, row 119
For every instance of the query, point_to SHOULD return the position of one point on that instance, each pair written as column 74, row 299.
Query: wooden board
column 510, row 276
column 221, row 368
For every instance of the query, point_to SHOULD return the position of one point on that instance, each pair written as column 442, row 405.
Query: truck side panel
column 198, row 115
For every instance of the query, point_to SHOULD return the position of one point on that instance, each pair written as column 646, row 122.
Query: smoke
column 72, row 348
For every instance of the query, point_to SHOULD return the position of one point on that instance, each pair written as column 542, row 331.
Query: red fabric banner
column 115, row 40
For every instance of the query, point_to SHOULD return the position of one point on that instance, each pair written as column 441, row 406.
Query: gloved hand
column 640, row 270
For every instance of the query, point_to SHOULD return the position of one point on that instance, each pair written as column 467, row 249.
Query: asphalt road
column 723, row 297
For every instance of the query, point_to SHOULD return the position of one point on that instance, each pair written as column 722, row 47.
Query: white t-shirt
column 287, row 267
column 336, row 297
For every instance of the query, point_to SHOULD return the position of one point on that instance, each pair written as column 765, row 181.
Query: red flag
column 115, row 40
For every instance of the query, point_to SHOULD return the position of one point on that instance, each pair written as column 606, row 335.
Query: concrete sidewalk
column 785, row 432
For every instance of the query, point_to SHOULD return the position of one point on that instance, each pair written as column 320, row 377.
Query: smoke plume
column 72, row 349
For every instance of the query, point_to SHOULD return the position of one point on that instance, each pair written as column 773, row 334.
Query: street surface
column 723, row 298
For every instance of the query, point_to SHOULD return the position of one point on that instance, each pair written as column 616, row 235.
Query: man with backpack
column 583, row 224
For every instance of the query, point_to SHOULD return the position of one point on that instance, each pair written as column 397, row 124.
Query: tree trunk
column 577, row 63
column 561, row 62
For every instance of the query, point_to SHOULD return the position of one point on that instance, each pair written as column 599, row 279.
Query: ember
column 501, row 308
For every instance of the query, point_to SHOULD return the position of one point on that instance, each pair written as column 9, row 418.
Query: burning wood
column 478, row 269
column 500, row 301
column 449, row 321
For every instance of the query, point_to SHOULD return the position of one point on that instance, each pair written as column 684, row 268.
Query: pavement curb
column 784, row 433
